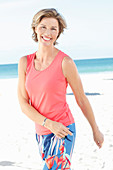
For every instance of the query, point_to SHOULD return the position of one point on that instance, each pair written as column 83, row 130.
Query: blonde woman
column 43, row 79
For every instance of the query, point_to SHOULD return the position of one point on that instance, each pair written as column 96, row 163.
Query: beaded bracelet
column 44, row 121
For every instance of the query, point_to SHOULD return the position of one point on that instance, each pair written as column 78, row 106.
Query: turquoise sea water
column 95, row 65
column 86, row 66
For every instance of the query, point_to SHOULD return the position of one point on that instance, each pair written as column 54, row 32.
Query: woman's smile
column 45, row 38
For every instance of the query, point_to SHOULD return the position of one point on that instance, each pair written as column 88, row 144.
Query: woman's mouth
column 46, row 38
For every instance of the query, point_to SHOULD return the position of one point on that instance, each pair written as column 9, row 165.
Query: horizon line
column 96, row 58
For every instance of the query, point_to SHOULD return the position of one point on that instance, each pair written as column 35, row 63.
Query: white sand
column 18, row 147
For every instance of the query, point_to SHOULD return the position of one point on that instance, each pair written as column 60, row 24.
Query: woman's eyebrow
column 54, row 26
column 51, row 26
column 42, row 24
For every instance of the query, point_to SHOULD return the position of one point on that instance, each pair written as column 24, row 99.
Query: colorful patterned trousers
column 57, row 152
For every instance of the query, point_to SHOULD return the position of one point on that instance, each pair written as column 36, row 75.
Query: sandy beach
column 18, row 147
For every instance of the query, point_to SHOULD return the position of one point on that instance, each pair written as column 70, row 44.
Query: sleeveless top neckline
column 38, row 71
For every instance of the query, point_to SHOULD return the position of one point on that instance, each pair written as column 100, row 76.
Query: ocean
column 86, row 66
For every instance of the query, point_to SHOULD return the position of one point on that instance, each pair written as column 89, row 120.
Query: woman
column 43, row 79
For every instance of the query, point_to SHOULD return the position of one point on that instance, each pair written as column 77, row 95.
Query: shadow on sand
column 14, row 164
column 108, row 79
column 87, row 94
column 7, row 163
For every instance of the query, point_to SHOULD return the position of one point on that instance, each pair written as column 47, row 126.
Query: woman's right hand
column 57, row 128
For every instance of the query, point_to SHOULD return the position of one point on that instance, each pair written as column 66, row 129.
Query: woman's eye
column 53, row 29
column 43, row 27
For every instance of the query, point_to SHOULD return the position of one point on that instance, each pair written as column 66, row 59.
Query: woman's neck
column 45, row 53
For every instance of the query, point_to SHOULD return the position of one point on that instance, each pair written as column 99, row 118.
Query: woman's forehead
column 49, row 21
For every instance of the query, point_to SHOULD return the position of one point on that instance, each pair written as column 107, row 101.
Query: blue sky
column 89, row 33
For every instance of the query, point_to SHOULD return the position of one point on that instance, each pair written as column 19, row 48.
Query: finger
column 64, row 133
column 69, row 132
column 60, row 135
column 66, row 129
column 99, row 144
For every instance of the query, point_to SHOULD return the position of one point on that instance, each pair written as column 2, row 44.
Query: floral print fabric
column 57, row 152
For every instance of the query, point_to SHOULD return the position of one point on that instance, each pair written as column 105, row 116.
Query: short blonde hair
column 49, row 13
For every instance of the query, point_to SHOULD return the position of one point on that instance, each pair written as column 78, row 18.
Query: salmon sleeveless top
column 47, row 92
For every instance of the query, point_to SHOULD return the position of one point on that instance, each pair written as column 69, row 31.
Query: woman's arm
column 57, row 128
column 23, row 96
column 73, row 78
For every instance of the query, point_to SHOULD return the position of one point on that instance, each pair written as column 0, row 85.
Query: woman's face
column 47, row 31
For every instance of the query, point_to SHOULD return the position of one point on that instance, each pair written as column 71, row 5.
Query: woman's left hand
column 98, row 138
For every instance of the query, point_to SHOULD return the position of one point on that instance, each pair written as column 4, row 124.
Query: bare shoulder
column 22, row 65
column 67, row 59
column 68, row 66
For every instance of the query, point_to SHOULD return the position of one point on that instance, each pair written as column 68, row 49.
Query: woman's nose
column 47, row 32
